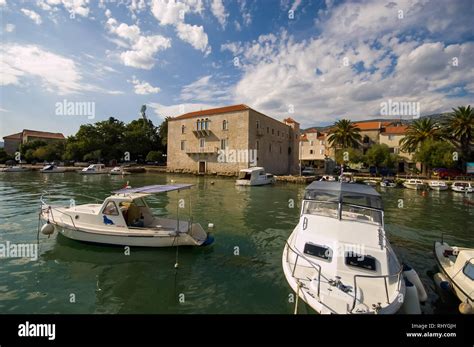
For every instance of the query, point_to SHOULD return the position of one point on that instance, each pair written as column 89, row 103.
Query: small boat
column 254, row 176
column 456, row 266
column 15, row 169
column 328, row 178
column 438, row 185
column 372, row 183
column 94, row 169
column 124, row 218
column 118, row 170
column 347, row 177
column 51, row 168
column 338, row 259
column 414, row 183
column 462, row 187
column 388, row 183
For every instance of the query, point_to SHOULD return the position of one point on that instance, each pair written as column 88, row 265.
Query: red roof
column 212, row 111
column 16, row 136
column 44, row 134
column 289, row 120
column 372, row 125
column 311, row 131
column 396, row 130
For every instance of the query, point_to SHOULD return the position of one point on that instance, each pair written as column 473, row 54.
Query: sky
column 314, row 61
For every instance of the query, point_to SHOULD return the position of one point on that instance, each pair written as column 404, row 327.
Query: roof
column 251, row 169
column 289, row 120
column 338, row 187
column 16, row 136
column 154, row 189
column 372, row 125
column 311, row 131
column 45, row 134
column 395, row 130
column 212, row 111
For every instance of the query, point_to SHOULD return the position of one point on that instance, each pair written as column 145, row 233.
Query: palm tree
column 344, row 134
column 458, row 130
column 418, row 132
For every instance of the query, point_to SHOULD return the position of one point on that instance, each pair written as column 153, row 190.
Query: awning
column 154, row 189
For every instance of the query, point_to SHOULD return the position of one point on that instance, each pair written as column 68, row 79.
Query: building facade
column 12, row 142
column 227, row 139
column 313, row 151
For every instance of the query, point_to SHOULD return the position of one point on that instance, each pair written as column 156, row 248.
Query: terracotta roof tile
column 373, row 125
column 44, row 134
column 212, row 111
column 16, row 136
column 401, row 129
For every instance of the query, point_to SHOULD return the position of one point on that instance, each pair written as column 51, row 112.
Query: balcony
column 259, row 132
column 201, row 132
column 206, row 150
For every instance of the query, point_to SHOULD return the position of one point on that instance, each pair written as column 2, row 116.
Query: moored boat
column 94, row 169
column 438, row 185
column 414, row 183
column 124, row 218
column 15, row 169
column 254, row 176
column 119, row 170
column 338, row 259
column 462, row 187
column 51, row 168
column 388, row 183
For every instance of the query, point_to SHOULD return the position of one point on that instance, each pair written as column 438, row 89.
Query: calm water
column 213, row 280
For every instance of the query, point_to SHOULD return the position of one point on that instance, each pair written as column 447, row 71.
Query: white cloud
column 206, row 89
column 173, row 12
column 35, row 17
column 19, row 64
column 3, row 3
column 141, row 50
column 9, row 28
column 142, row 87
column 194, row 35
column 163, row 111
column 218, row 10
column 108, row 13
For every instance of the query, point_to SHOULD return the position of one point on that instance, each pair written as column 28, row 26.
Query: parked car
column 308, row 171
column 446, row 173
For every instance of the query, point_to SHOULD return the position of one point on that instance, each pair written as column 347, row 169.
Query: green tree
column 433, row 154
column 163, row 132
column 344, row 134
column 33, row 145
column 379, row 155
column 458, row 130
column 418, row 132
column 4, row 156
column 353, row 155
column 154, row 156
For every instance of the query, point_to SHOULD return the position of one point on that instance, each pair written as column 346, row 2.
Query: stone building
column 12, row 142
column 227, row 139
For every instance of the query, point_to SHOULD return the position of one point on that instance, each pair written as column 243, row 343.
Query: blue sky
column 316, row 61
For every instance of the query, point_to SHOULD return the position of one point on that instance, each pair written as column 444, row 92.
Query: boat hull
column 249, row 183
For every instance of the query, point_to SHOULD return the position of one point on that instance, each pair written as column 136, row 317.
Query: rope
column 298, row 283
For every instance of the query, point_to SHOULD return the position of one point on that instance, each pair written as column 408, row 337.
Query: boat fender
column 455, row 251
column 210, row 225
column 413, row 277
column 411, row 304
column 47, row 229
column 466, row 308
column 209, row 240
column 442, row 282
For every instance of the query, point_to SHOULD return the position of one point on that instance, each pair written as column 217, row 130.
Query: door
column 202, row 167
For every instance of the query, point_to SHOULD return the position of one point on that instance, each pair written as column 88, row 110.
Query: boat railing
column 299, row 255
column 47, row 195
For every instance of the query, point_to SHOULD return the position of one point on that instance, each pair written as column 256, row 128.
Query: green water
column 253, row 221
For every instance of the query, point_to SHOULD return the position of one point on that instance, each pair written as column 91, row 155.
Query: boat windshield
column 359, row 207
column 244, row 175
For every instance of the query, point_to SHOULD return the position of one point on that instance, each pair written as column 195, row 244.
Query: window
column 396, row 150
column 366, row 262
column 311, row 151
column 257, row 144
column 273, row 131
column 224, row 143
column 183, row 145
column 322, row 252
column 321, row 151
column 311, row 143
column 278, row 134
column 321, row 142
column 268, row 130
column 270, row 147
column 182, row 129
column 206, row 124
column 258, row 124
column 110, row 209
column 202, row 143
column 198, row 124
column 225, row 125
column 391, row 137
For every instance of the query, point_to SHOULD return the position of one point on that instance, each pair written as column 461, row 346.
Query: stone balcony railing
column 207, row 149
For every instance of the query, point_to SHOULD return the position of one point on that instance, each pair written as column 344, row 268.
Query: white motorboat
column 456, row 266
column 462, row 187
column 414, row 183
column 118, row 170
column 347, row 177
column 51, row 168
column 328, row 178
column 94, row 169
column 15, row 169
column 388, row 183
column 438, row 185
column 372, row 183
column 124, row 218
column 254, row 176
column 338, row 259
